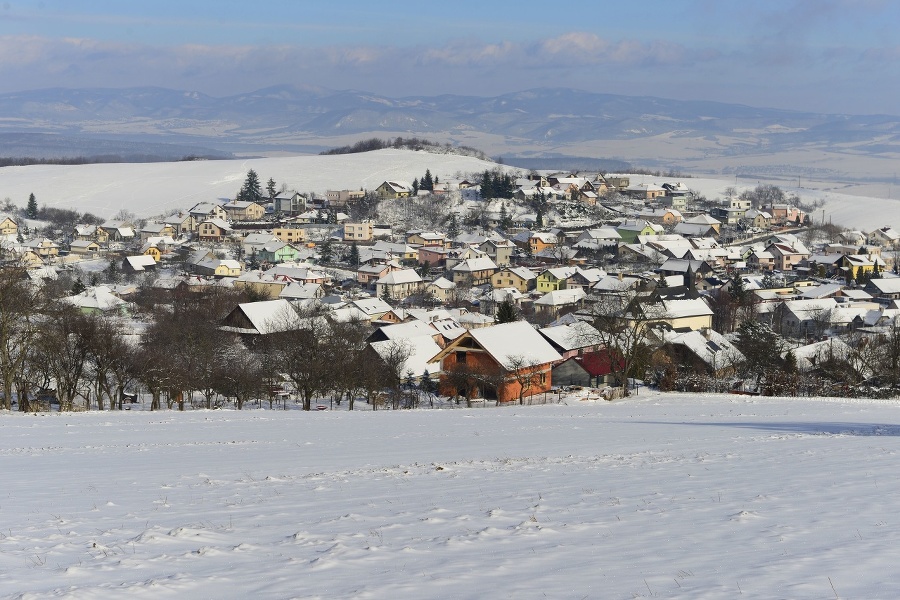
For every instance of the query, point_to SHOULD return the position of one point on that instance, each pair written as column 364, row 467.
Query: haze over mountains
column 697, row 136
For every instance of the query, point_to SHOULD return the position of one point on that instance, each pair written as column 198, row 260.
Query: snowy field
column 849, row 206
column 664, row 496
column 151, row 189
column 157, row 188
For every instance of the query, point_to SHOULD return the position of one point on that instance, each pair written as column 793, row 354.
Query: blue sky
column 821, row 55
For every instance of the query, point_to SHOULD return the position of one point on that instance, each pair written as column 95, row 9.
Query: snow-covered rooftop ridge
column 512, row 342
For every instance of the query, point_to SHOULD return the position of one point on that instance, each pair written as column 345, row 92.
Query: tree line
column 411, row 143
column 182, row 357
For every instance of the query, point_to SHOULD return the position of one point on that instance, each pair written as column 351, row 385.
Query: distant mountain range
column 539, row 123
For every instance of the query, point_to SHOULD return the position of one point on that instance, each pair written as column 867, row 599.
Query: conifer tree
column 452, row 227
column 427, row 182
column 250, row 191
column 78, row 286
column 505, row 221
column 31, row 211
column 506, row 312
column 487, row 186
column 325, row 250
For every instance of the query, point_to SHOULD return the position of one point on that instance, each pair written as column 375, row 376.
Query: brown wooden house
column 497, row 362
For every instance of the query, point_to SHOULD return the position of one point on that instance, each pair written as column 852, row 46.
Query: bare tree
column 522, row 371
column 348, row 360
column 394, row 355
column 64, row 343
column 622, row 322
column 239, row 374
column 104, row 346
column 20, row 305
column 299, row 351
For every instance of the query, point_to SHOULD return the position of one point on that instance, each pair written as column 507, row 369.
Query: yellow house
column 440, row 289
column 8, row 226
column 43, row 247
column 428, row 238
column 854, row 266
column 358, row 232
column 213, row 230
column 290, row 234
column 240, row 210
column 521, row 278
column 84, row 247
column 30, row 260
column 181, row 223
column 154, row 252
column 390, row 190
column 219, row 267
column 693, row 314
column 91, row 233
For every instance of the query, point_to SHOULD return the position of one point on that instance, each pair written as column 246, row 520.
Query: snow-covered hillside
column 851, row 210
column 149, row 189
column 669, row 496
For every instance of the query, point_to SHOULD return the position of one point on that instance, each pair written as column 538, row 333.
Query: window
column 460, row 358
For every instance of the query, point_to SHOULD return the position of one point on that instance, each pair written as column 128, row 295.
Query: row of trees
column 497, row 184
column 427, row 182
column 49, row 349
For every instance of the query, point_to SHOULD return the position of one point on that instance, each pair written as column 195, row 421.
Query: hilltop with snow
column 149, row 189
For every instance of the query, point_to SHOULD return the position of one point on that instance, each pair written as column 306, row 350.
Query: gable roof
column 708, row 345
column 99, row 297
column 399, row 277
column 680, row 308
column 442, row 283
column 561, row 297
column 268, row 316
column 421, row 349
column 140, row 262
column 571, row 336
column 508, row 342
column 475, row 264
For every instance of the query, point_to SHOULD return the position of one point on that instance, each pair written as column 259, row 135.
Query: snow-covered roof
column 561, row 297
column 421, row 349
column 708, row 345
column 703, row 219
column 372, row 306
column 99, row 297
column 401, row 331
column 270, row 316
column 680, row 308
column 886, row 285
column 509, row 342
column 221, row 224
column 297, row 290
column 475, row 264
column 140, row 262
column 400, row 276
column 571, row 336
column 443, row 283
column 810, row 356
column 561, row 273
